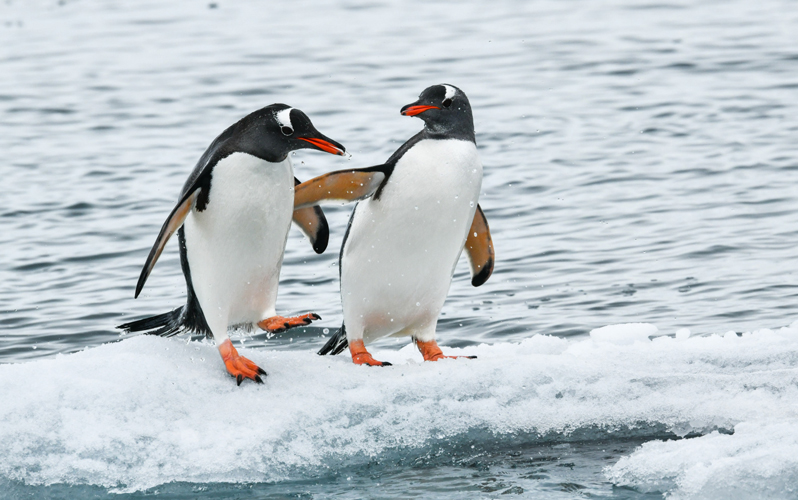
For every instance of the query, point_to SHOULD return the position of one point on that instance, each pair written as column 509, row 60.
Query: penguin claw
column 432, row 352
column 238, row 366
column 360, row 356
column 279, row 324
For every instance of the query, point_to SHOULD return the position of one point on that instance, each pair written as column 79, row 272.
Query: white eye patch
column 284, row 118
column 450, row 92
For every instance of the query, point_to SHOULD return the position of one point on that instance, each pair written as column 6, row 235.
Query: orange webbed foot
column 277, row 324
column 432, row 352
column 238, row 366
column 360, row 356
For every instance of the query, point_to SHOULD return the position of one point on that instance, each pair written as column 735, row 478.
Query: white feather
column 402, row 249
column 284, row 118
column 235, row 246
column 450, row 92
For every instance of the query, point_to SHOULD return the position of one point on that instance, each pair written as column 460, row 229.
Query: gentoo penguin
column 232, row 218
column 403, row 242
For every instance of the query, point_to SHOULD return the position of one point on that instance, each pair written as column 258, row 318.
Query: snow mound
column 147, row 411
column 759, row 461
column 760, row 458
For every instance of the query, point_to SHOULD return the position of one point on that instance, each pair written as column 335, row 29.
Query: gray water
column 639, row 167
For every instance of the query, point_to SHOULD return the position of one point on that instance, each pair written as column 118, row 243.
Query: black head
column 276, row 130
column 445, row 110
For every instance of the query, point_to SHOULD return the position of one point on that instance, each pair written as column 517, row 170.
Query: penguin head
column 274, row 131
column 445, row 110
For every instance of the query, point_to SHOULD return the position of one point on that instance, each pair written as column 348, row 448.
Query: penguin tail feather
column 336, row 344
column 165, row 325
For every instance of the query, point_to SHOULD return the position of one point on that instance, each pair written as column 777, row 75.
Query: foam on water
column 147, row 411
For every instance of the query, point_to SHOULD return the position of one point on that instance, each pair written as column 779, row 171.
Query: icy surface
column 759, row 461
column 147, row 411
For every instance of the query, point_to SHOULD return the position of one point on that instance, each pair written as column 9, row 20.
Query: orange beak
column 416, row 110
column 324, row 145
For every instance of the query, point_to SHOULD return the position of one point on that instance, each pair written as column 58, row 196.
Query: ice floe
column 146, row 411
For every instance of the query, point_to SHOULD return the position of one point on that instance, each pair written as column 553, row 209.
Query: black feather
column 336, row 344
column 165, row 325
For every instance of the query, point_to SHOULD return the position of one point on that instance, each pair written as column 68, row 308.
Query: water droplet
column 418, row 304
column 471, row 204
column 326, row 330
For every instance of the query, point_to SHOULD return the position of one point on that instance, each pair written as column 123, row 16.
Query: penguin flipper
column 313, row 224
column 172, row 224
column 343, row 185
column 479, row 247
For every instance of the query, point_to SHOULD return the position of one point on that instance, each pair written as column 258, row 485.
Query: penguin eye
column 447, row 103
column 286, row 130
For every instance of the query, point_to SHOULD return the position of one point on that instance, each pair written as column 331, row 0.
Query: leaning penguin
column 403, row 242
column 232, row 218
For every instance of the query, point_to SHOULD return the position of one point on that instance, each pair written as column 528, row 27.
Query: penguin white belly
column 402, row 249
column 235, row 246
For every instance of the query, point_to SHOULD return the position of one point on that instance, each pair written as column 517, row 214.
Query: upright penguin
column 403, row 243
column 232, row 218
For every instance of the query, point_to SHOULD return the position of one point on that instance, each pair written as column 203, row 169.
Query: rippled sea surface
column 640, row 166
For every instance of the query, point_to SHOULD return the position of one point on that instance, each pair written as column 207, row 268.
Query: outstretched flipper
column 340, row 186
column 479, row 247
column 313, row 224
column 172, row 224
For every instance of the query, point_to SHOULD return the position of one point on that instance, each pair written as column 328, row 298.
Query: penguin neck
column 462, row 129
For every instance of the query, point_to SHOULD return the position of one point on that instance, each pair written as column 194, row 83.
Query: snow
column 146, row 411
column 759, row 461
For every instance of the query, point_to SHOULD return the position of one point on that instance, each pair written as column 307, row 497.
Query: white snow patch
column 147, row 411
column 759, row 461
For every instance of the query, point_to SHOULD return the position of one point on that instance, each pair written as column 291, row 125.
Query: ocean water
column 639, row 162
